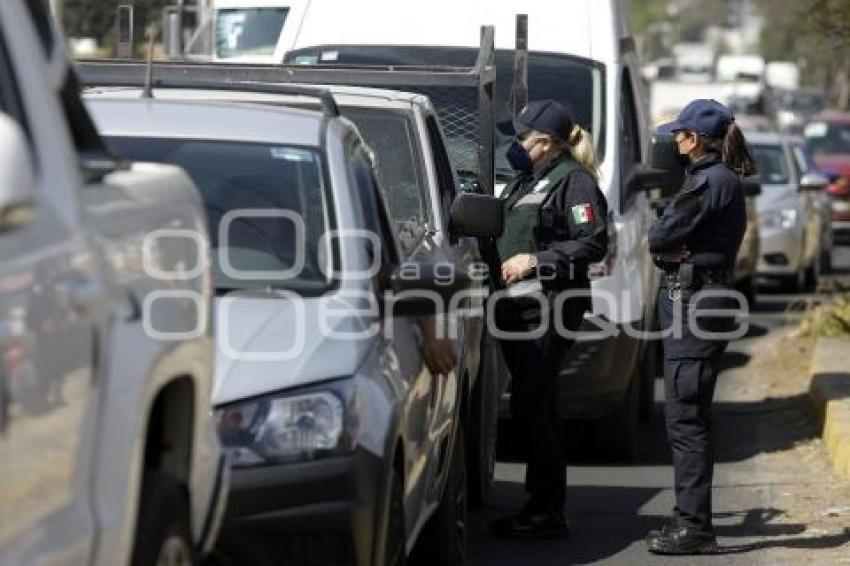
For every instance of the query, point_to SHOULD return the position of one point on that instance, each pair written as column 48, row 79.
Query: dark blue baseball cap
column 705, row 117
column 546, row 116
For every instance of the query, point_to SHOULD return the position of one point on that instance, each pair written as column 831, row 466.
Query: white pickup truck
column 108, row 453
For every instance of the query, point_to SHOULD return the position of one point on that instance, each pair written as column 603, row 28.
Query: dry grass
column 831, row 320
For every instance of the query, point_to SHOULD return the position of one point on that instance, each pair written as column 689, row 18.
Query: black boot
column 681, row 540
column 532, row 525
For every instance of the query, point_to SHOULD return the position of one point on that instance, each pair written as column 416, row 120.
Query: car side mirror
column 752, row 186
column 471, row 184
column 477, row 216
column 17, row 176
column 646, row 178
column 832, row 176
column 424, row 288
column 813, row 182
column 665, row 172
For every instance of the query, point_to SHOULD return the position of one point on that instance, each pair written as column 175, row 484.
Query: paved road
column 775, row 499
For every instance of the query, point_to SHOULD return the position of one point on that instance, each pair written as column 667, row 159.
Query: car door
column 461, row 253
column 633, row 271
column 811, row 219
column 401, row 341
column 46, row 337
column 819, row 200
column 439, row 188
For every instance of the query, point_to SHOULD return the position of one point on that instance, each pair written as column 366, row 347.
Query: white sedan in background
column 790, row 223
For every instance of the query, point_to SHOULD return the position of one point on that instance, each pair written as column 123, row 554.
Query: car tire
column 616, row 435
column 162, row 534
column 395, row 545
column 748, row 288
column 444, row 539
column 796, row 283
column 483, row 426
column 826, row 260
column 810, row 282
column 648, row 373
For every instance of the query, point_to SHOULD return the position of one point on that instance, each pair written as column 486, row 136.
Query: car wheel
column 617, row 433
column 162, row 532
column 825, row 260
column 443, row 540
column 747, row 287
column 810, row 282
column 796, row 283
column 483, row 426
column 395, row 553
column 648, row 373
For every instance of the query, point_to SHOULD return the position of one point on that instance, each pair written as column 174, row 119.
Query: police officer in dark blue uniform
column 696, row 241
column 555, row 225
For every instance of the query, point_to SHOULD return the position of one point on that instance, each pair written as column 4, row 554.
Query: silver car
column 790, row 218
column 344, row 446
column 108, row 451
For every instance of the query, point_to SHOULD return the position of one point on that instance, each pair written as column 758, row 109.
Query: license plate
column 841, row 206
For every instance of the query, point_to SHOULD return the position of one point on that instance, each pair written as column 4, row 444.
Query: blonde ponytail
column 580, row 146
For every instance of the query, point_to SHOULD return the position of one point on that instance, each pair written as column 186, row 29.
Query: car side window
column 630, row 154
column 445, row 178
column 373, row 207
column 393, row 139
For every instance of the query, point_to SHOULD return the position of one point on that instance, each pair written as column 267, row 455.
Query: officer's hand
column 440, row 356
column 518, row 267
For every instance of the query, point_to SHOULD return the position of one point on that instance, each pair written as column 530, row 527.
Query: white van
column 246, row 31
column 582, row 54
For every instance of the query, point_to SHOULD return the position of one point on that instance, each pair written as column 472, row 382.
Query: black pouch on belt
column 687, row 281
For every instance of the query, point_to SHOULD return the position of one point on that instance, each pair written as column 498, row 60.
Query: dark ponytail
column 736, row 153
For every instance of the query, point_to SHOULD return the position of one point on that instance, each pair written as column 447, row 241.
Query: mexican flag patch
column 582, row 213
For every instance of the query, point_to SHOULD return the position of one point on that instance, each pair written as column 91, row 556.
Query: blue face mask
column 519, row 158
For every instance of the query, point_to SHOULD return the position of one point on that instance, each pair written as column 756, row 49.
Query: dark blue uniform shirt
column 708, row 216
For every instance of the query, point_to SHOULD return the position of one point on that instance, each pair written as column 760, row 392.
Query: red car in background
column 828, row 138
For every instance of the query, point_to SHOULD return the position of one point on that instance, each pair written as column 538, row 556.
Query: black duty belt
column 714, row 277
column 687, row 279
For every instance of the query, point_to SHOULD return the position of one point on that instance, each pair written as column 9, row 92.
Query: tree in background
column 815, row 34
column 96, row 18
column 659, row 24
column 829, row 23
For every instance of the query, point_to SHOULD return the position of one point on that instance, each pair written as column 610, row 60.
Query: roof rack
column 476, row 125
column 108, row 73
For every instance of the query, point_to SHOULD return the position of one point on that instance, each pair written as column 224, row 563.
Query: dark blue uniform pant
column 534, row 365
column 690, row 375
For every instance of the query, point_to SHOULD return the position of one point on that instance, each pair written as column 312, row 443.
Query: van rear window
column 577, row 83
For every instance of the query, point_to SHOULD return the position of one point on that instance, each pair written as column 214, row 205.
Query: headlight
column 284, row 429
column 785, row 218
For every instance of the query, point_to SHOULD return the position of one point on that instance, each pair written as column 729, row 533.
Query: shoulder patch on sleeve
column 582, row 213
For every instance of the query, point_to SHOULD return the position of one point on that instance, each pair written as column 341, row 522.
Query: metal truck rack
column 471, row 122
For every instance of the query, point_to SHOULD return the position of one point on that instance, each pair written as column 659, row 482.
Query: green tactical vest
column 524, row 198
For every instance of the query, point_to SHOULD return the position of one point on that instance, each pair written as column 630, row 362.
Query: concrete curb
column 829, row 390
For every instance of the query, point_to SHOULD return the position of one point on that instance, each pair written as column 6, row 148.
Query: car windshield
column 825, row 138
column 771, row 164
column 575, row 82
column 390, row 134
column 267, row 208
column 248, row 31
column 801, row 101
